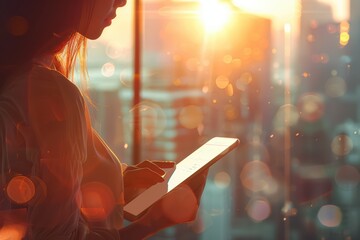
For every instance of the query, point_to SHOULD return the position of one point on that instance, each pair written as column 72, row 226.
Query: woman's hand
column 139, row 177
column 179, row 206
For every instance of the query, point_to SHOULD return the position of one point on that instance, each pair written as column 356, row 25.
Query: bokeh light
column 335, row 87
column 20, row 189
column 153, row 119
column 115, row 52
column 287, row 115
column 344, row 38
column 12, row 231
column 258, row 210
column 255, row 176
column 231, row 112
column 222, row 179
column 222, row 81
column 311, row 107
column 227, row 59
column 245, row 79
column 344, row 33
column 108, row 69
column 97, row 201
column 230, row 90
column 191, row 117
column 341, row 145
column 330, row 216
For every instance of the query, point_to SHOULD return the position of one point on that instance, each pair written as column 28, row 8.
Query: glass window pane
column 280, row 75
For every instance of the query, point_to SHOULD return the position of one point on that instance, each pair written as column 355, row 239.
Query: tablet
column 200, row 159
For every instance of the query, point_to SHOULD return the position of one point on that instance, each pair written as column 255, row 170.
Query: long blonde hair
column 74, row 56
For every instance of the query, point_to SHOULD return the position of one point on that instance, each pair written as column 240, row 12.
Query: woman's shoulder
column 41, row 88
column 38, row 79
column 47, row 79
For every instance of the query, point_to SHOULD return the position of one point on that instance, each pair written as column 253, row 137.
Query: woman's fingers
column 141, row 177
column 156, row 166
column 136, row 180
column 152, row 166
column 164, row 164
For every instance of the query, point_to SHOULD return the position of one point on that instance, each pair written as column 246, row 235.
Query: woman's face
column 96, row 15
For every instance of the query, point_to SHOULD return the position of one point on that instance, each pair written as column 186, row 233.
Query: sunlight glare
column 215, row 15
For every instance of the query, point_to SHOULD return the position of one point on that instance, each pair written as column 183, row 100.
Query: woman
column 60, row 179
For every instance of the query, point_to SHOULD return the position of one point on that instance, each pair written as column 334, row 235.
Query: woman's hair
column 30, row 29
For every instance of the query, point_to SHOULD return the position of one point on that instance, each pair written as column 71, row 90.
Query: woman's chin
column 93, row 35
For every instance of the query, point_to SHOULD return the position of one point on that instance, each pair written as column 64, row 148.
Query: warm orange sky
column 280, row 11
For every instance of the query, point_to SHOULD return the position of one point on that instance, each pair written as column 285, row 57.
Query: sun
column 214, row 14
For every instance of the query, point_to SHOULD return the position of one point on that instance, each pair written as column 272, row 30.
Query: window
column 279, row 75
